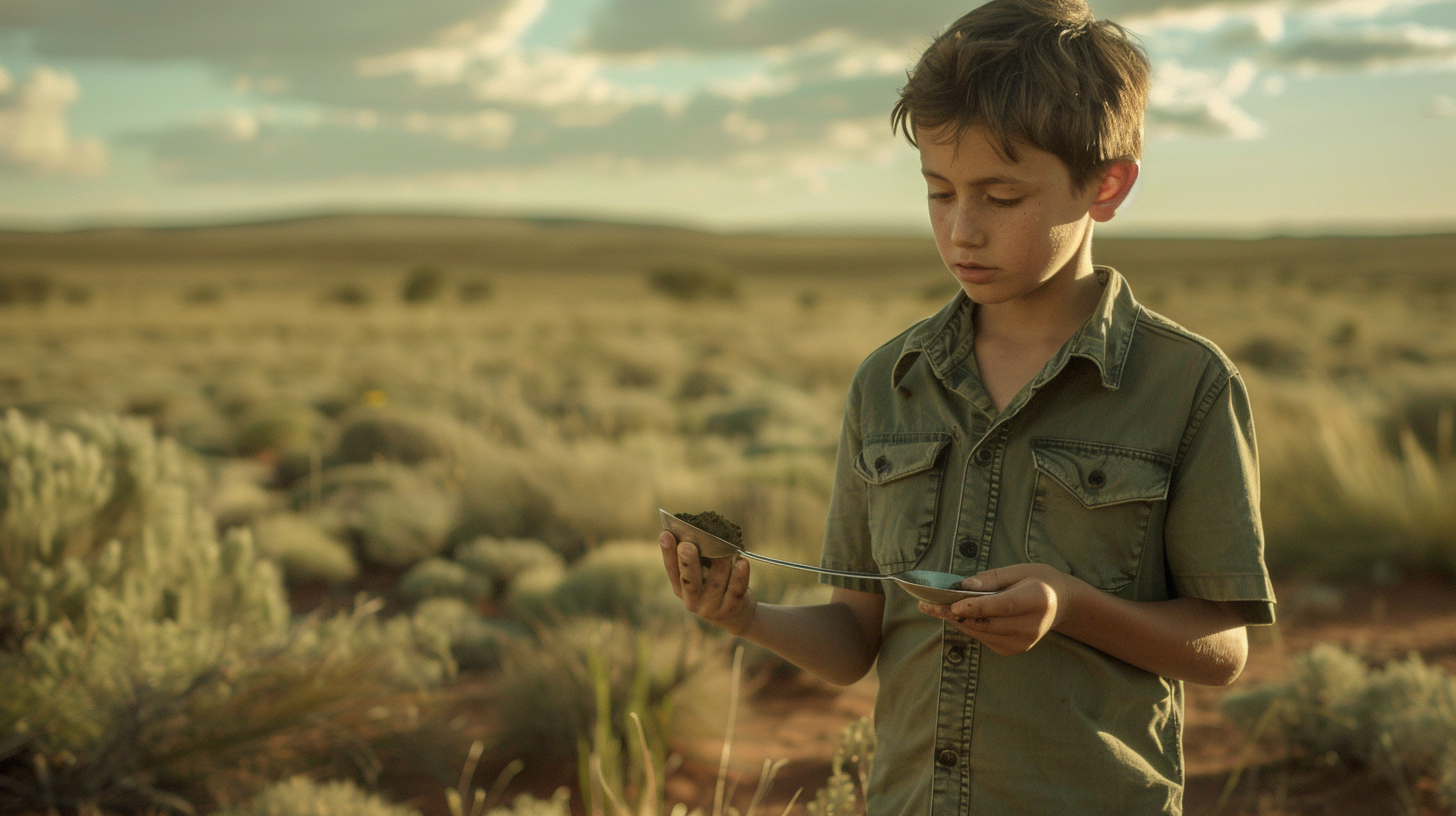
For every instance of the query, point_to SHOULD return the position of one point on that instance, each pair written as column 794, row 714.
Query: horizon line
column 1273, row 230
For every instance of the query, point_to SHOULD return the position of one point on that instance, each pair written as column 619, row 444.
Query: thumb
column 992, row 580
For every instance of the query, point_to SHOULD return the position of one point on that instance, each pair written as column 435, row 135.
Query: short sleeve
column 1213, row 533
column 847, row 529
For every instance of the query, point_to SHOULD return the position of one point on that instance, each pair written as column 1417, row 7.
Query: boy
column 1043, row 433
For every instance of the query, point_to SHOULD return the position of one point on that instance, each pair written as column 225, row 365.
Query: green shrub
column 25, row 288
column 203, row 295
column 278, row 428
column 476, row 291
column 527, row 805
column 400, row 515
column 143, row 661
column 440, row 578
column 77, row 294
column 301, row 796
column 623, row 579
column 501, row 561
column 382, row 436
column 1399, row 721
column 422, row 285
column 303, row 549
column 1273, row 356
column 550, row 693
column 689, row 283
column 238, row 495
column 475, row 642
column 532, row 595
column 845, row 794
column 348, row 294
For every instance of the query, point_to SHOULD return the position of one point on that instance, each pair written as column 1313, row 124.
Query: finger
column 992, row 580
column 935, row 610
column 737, row 587
column 1001, row 605
column 690, row 572
column 715, row 579
column 669, row 560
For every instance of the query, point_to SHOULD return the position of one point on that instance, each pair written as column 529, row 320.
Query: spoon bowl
column 927, row 585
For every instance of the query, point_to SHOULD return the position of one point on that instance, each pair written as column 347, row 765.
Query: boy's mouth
column 973, row 271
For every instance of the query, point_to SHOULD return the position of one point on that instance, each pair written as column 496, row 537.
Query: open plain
column 475, row 420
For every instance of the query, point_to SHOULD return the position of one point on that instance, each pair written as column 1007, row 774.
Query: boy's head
column 1038, row 72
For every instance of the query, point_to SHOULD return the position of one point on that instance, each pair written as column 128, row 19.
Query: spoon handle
column 821, row 570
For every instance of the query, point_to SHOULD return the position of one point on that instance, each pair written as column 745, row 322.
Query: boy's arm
column 1185, row 638
column 837, row 641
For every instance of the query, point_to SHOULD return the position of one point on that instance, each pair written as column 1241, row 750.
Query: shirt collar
column 948, row 336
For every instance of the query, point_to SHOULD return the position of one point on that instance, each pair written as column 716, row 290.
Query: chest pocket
column 1092, row 508
column 904, row 472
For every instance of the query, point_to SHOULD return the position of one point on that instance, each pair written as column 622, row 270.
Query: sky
column 1296, row 116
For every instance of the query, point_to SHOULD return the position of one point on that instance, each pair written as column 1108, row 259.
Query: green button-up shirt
column 1128, row 462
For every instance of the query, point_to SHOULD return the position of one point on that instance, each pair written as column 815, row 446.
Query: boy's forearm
column 1186, row 638
column 826, row 640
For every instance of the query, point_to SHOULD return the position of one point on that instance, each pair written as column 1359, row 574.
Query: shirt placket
column 961, row 654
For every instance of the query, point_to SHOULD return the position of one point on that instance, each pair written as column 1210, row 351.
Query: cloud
column 318, row 51
column 252, row 34
column 34, row 133
column 1193, row 102
column 697, row 26
column 802, row 131
column 1367, row 48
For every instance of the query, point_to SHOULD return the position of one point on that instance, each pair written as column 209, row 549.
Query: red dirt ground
column 800, row 720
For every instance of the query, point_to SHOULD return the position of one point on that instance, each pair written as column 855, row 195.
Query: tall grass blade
column 728, row 736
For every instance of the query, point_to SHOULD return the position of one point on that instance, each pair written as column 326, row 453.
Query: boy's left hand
column 1030, row 600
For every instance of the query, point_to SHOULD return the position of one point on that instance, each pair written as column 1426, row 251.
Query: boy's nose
column 967, row 230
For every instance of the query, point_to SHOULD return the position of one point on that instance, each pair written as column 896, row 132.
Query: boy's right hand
column 718, row 594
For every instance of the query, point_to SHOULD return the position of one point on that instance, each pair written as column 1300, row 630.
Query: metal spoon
column 927, row 585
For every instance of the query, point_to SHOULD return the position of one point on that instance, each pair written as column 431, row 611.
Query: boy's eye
column 1003, row 202
column 935, row 195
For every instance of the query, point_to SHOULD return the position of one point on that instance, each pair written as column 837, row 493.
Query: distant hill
column 504, row 245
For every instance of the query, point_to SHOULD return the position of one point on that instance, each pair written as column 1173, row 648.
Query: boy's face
column 1005, row 229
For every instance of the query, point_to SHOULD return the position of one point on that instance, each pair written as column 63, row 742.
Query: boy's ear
column 1112, row 188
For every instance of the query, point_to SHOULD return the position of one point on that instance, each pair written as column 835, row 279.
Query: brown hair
column 1040, row 72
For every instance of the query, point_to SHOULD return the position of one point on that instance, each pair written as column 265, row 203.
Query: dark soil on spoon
column 714, row 524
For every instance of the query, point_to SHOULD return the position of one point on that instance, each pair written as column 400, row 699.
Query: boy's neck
column 1050, row 314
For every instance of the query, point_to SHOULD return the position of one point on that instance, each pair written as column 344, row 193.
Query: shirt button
column 882, row 464
column 948, row 758
column 984, row 456
column 955, row 654
column 1097, row 478
column 968, row 547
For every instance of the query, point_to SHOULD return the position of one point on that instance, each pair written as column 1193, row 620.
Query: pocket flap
column 1100, row 475
column 895, row 456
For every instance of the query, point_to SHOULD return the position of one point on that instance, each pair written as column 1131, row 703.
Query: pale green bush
column 303, row 549
column 1399, row 721
column 501, row 561
column 387, row 435
column 301, row 796
column 527, row 805
column 278, row 427
column 621, row 579
column 438, row 577
column 475, row 642
column 532, row 596
column 551, row 691
column 400, row 514
column 142, row 657
column 846, row 792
